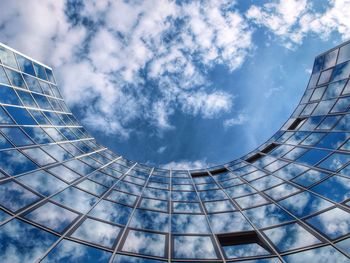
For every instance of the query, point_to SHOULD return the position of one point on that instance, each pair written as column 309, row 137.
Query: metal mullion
column 32, row 108
column 48, row 197
column 122, row 236
column 82, row 217
column 170, row 216
column 55, row 164
column 330, row 175
column 300, row 221
column 256, row 229
column 217, row 243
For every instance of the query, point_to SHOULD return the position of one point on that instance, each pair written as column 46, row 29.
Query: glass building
column 66, row 198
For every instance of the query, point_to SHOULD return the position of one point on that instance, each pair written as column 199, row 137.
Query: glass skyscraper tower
column 65, row 198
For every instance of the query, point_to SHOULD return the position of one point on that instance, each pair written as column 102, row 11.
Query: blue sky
column 178, row 83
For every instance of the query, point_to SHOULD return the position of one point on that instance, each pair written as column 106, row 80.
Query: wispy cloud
column 291, row 21
column 121, row 62
column 240, row 119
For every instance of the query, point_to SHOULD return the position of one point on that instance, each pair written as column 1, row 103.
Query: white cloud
column 291, row 21
column 239, row 120
column 103, row 66
column 161, row 149
column 186, row 165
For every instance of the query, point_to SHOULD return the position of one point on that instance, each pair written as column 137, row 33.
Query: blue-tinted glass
column 309, row 178
column 40, row 71
column 145, row 243
column 267, row 215
column 291, row 236
column 50, row 75
column 4, row 118
column 201, row 247
column 7, row 58
column 329, row 122
column 304, row 204
column 318, row 64
column 42, row 182
column 122, row 198
column 16, row 136
column 333, row 140
column 112, row 212
column 13, row 162
column 92, row 187
column 21, row 242
column 37, row 134
column 344, row 54
column 8, row 96
column 25, row 65
column 345, row 245
column 20, row 115
column 183, row 223
column 317, row 255
column 26, row 98
column 186, row 207
column 129, row 259
column 16, row 79
column 52, row 216
column 245, row 250
column 3, row 77
column 69, row 251
column 150, row 220
column 330, row 59
column 335, row 188
column 313, row 156
column 334, row 223
column 97, row 232
column 14, row 196
column 341, row 71
column 39, row 156
column 335, row 161
column 4, row 144
column 32, row 83
column 3, row 215
column 228, row 222
column 219, row 206
column 325, row 76
column 64, row 173
column 76, row 199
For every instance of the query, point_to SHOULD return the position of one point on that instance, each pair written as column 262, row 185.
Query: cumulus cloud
column 134, row 60
column 291, row 21
column 126, row 62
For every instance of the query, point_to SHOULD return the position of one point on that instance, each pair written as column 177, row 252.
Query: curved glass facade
column 65, row 198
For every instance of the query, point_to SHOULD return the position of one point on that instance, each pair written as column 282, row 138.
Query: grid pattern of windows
column 64, row 197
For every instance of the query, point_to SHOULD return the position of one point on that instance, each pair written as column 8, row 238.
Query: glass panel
column 21, row 242
column 267, row 215
column 39, row 156
column 150, row 220
column 64, row 173
column 112, row 212
column 69, row 251
column 219, row 206
column 228, row 222
column 76, row 199
column 14, row 163
column 194, row 247
column 145, row 243
column 42, row 182
column 52, row 216
column 97, row 232
column 14, row 196
column 183, row 223
column 304, row 204
column 245, row 250
column 334, row 223
column 290, row 237
column 319, row 255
